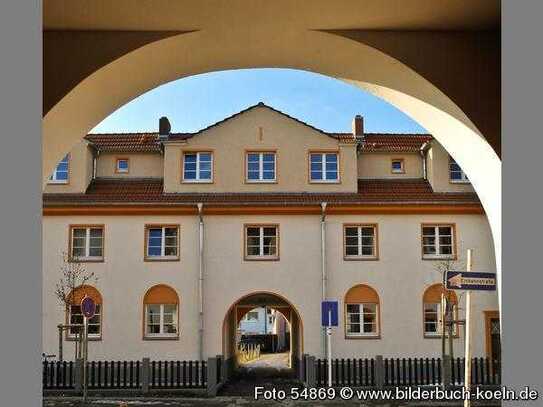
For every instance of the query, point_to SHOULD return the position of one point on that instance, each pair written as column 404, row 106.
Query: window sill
column 447, row 257
column 271, row 181
column 313, row 181
column 438, row 336
column 363, row 336
column 57, row 182
column 207, row 181
column 261, row 258
column 86, row 260
column 160, row 259
column 360, row 258
column 459, row 182
column 161, row 338
column 91, row 338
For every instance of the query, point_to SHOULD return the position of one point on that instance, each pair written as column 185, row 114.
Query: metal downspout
column 423, row 151
column 323, row 266
column 201, row 281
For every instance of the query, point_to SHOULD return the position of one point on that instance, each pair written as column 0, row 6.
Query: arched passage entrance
column 260, row 299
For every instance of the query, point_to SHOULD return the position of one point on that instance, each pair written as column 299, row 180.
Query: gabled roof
column 149, row 142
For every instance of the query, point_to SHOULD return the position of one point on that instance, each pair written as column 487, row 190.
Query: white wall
column 399, row 276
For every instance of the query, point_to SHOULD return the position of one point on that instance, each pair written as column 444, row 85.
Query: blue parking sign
column 329, row 311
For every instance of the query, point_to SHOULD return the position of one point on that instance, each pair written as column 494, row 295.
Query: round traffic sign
column 88, row 307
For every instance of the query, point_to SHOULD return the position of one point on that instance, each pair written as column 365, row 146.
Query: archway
column 366, row 67
column 267, row 300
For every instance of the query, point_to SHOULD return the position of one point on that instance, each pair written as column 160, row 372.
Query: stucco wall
column 230, row 140
column 379, row 165
column 140, row 165
column 79, row 171
column 399, row 277
column 437, row 162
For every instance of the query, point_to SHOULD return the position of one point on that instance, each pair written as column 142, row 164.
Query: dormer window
column 397, row 166
column 60, row 175
column 198, row 166
column 324, row 167
column 121, row 166
column 456, row 175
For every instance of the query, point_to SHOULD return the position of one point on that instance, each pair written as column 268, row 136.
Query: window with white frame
column 261, row 167
column 61, row 173
column 162, row 242
column 438, row 241
column 122, row 165
column 160, row 320
column 197, row 167
column 252, row 316
column 360, row 241
column 87, row 243
column 362, row 320
column 261, row 242
column 397, row 166
column 456, row 174
column 432, row 319
column 94, row 323
column 324, row 167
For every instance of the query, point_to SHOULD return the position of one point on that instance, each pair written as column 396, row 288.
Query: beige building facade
column 188, row 231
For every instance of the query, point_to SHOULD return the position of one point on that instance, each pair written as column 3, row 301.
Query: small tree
column 73, row 275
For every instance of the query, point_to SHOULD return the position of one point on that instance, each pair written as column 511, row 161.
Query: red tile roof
column 150, row 191
column 401, row 143
column 125, row 142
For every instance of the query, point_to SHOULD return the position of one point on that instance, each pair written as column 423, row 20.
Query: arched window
column 161, row 305
column 362, row 312
column 432, row 309
column 75, row 317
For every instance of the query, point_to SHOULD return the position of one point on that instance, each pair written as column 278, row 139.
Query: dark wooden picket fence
column 58, row 375
column 178, row 374
column 483, row 371
column 390, row 372
column 412, row 371
column 346, row 372
column 126, row 375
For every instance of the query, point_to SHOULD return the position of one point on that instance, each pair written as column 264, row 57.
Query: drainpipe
column 422, row 151
column 201, row 280
column 323, row 266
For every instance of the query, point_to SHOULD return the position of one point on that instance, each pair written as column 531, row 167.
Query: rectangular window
column 324, row 167
column 438, row 241
column 122, row 165
column 456, row 175
column 261, row 167
column 76, row 318
column 360, row 242
column 197, row 167
column 162, row 242
column 161, row 320
column 432, row 319
column 87, row 243
column 60, row 175
column 398, row 166
column 362, row 320
column 261, row 242
column 252, row 316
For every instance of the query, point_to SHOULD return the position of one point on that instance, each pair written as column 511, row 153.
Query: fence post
column 310, row 374
column 379, row 371
column 78, row 379
column 447, row 369
column 145, row 375
column 212, row 381
column 302, row 367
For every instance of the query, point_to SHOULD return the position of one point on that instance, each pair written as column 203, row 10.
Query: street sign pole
column 467, row 351
column 329, row 347
column 85, row 351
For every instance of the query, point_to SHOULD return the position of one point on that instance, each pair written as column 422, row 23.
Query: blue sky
column 198, row 101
